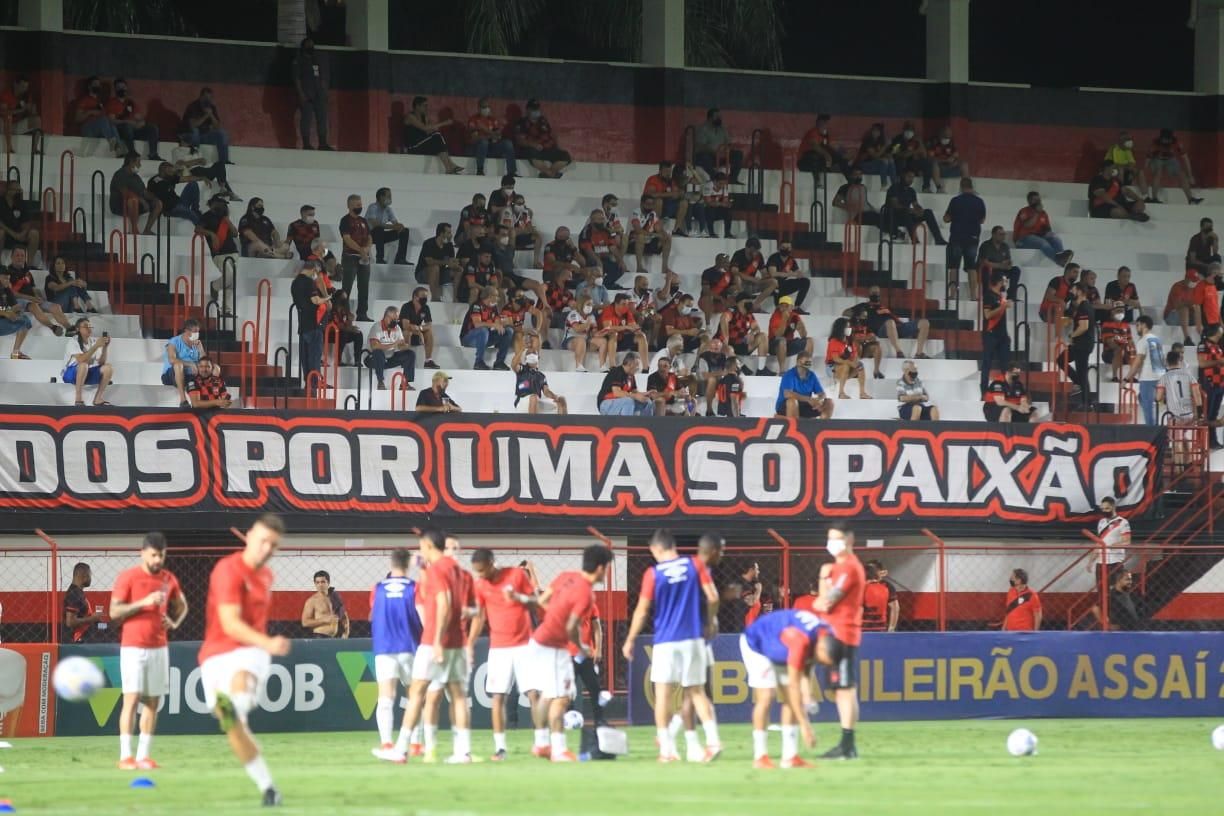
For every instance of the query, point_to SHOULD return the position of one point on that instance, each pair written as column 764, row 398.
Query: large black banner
column 384, row 471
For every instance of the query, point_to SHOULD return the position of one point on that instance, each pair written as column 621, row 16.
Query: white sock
column 462, row 742
column 142, row 746
column 667, row 746
column 401, row 744
column 431, row 738
column 499, row 741
column 557, row 740
column 125, row 746
column 541, row 738
column 711, row 733
column 384, row 714
column 790, row 741
column 415, row 737
column 760, row 744
column 257, row 769
column 690, row 741
column 675, row 726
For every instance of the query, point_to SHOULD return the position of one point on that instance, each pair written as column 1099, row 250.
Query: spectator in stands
column 435, row 399
column 712, row 148
column 304, row 230
column 21, row 283
column 852, row 198
column 1075, row 359
column 601, row 248
column 670, row 396
column 532, row 385
column 610, row 204
column 1181, row 399
column 1117, row 345
column 1006, row 399
column 650, row 308
column 18, row 112
column 749, row 265
column 194, row 167
column 865, row 341
column 818, row 154
column 1210, row 361
column 17, row 227
column 130, row 198
column 1180, row 307
column 1204, row 248
column 385, row 227
column 719, row 286
column 423, row 137
column 182, row 357
column 1032, row 230
column 1122, row 154
column 618, row 322
column 945, row 159
column 210, row 391
column 667, row 191
column 649, row 235
column 842, row 359
column 966, row 213
column 873, row 156
column 1107, row 198
column 475, row 214
column 323, row 614
column 800, row 393
column 66, row 290
column 416, row 320
column 1166, row 157
column 1100, row 309
column 534, row 141
column 356, row 255
column 994, row 255
column 526, row 236
column 618, row 394
column 389, row 348
column 483, row 327
column 882, row 322
column 729, row 391
column 12, row 319
column 202, row 121
column 486, row 138
column 220, row 233
column 903, row 213
column 85, row 363
column 129, row 124
column 90, row 115
column 341, row 316
column 259, row 236
column 591, row 286
column 1122, row 289
column 742, row 334
column 582, row 334
column 792, row 280
column 908, row 153
column 185, row 206
column 996, row 342
column 436, row 264
column 710, row 367
column 914, row 401
column 307, row 299
column 1057, row 297
column 1148, row 368
column 1115, row 531
column 1023, row 610
column 787, row 332
column 716, row 203
column 311, row 84
column 562, row 253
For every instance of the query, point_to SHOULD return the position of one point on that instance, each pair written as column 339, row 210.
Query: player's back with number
column 675, row 589
column 768, row 634
column 395, row 626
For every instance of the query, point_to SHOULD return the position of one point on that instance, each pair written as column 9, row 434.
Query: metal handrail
column 916, row 263
column 38, row 149
column 1059, row 348
column 250, row 388
column 181, row 302
column 118, row 292
column 67, row 154
column 45, row 214
column 146, row 303
column 97, row 214
column 263, row 314
column 198, row 260
column 276, row 364
column 398, row 383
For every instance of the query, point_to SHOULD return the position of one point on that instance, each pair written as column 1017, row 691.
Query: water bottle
column 101, row 623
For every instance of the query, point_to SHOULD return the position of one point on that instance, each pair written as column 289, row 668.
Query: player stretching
column 237, row 652
column 502, row 594
column 148, row 601
column 779, row 648
column 396, row 629
column 709, row 552
column 566, row 600
column 678, row 588
column 841, row 603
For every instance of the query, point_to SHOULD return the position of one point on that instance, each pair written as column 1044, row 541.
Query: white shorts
column 506, row 664
column 551, row 671
column 763, row 673
column 452, row 669
column 217, row 672
column 145, row 671
column 543, row 405
column 396, row 666
column 680, row 662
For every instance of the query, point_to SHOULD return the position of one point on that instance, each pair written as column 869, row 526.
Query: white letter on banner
column 1103, row 482
column 308, row 694
column 631, row 467
column 999, row 476
column 461, row 470
column 304, row 476
column 44, row 462
column 790, row 470
column 956, row 473
column 711, row 462
column 152, row 459
column 1061, row 478
column 249, row 452
column 116, row 478
column 840, row 479
column 913, row 468
column 572, row 470
column 394, row 455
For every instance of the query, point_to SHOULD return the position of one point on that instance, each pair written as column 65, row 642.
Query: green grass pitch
column 1155, row 766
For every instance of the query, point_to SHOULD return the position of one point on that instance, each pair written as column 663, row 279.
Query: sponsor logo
column 356, row 666
column 105, row 699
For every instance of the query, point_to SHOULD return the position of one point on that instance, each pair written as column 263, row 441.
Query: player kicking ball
column 395, row 627
column 682, row 594
column 148, row 602
column 237, row 652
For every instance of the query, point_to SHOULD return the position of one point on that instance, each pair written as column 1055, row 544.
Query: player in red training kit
column 842, row 606
column 237, row 652
column 149, row 602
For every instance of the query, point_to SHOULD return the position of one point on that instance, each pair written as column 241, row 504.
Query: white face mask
column 1118, row 316
column 504, row 240
column 945, row 140
column 484, row 111
column 908, row 134
column 587, row 308
column 848, row 331
column 1128, row 144
column 193, row 336
column 309, row 219
column 597, row 282
column 687, row 310
column 835, row 546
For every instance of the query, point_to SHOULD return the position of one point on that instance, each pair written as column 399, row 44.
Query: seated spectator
column 618, row 394
column 129, row 124
column 1107, row 198
column 1181, row 307
column 600, row 247
column 562, row 253
column 994, row 255
column 66, row 290
column 210, row 391
column 1167, row 158
column 194, row 167
column 582, row 334
column 389, row 348
column 903, row 213
column 307, row 298
column 220, row 234
column 523, row 317
column 470, row 248
column 1207, row 296
column 532, row 385
column 712, row 147
column 787, row 333
column 341, row 316
column 667, row 190
column 259, row 236
column 526, row 236
column 1117, row 344
column 1057, row 295
column 436, row 264
column 18, row 113
column 486, row 138
column 474, row 214
column 534, row 141
column 1006, row 399
column 174, row 205
column 914, row 403
column 650, row 306
column 710, row 368
column 385, row 227
column 559, row 295
column 182, row 356
column 129, row 197
column 729, row 391
column 483, row 326
column 90, row 115
column 21, row 283
column 356, row 255
column 1032, row 230
column 945, row 159
column 670, row 395
column 1100, row 308
column 13, row 319
column 609, row 204
column 752, row 274
column 1122, row 154
column 966, row 213
column 592, row 287
column 792, row 280
column 852, row 198
column 1204, row 247
column 908, row 153
column 873, row 156
column 1122, row 289
column 742, row 334
column 202, row 124
column 818, row 154
column 85, row 363
column 716, row 201
column 17, row 226
column 618, row 322
column 649, row 236
column 800, row 393
column 435, row 399
column 305, row 230
column 882, row 322
column 842, row 359
column 416, row 320
column 719, row 286
column 865, row 341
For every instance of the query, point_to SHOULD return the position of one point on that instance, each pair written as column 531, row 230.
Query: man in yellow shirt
column 1122, row 154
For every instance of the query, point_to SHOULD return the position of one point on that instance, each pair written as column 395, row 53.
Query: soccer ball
column 573, row 720
column 1217, row 738
column 1022, row 742
column 77, row 678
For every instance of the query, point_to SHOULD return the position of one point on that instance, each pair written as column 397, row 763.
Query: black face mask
column 121, row 92
column 856, row 180
column 94, row 90
column 423, row 299
column 717, row 122
column 221, row 210
column 356, row 211
column 258, row 210
column 874, row 299
column 784, row 252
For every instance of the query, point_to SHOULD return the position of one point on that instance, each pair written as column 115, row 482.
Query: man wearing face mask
column 1074, row 360
column 389, row 348
column 306, row 300
column 945, row 159
column 416, row 320
column 1122, row 154
column 873, row 156
column 1023, row 610
column 486, row 138
column 183, row 354
column 902, row 212
column 385, row 228
column 129, row 124
column 914, row 401
column 1107, row 198
column 842, row 607
column 792, row 280
column 851, row 198
column 1006, row 399
column 221, row 235
column 130, row 198
column 311, row 85
column 908, row 153
column 1180, row 306
column 1167, row 158
column 532, row 385
column 259, row 236
column 712, row 147
column 304, row 230
column 882, row 322
column 203, row 122
column 1122, row 289
column 800, row 393
column 619, row 322
column 483, row 327
column 1204, row 248
column 600, row 247
column 1117, row 345
column 534, row 141
column 436, row 264
column 90, row 116
column 356, row 255
column 1032, row 230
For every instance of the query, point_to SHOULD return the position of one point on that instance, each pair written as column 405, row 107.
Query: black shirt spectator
column 1087, row 339
column 416, row 313
column 429, row 398
column 124, row 181
column 302, row 234
column 75, row 601
column 357, row 228
column 990, row 301
column 966, row 212
column 261, row 225
column 431, row 251
column 616, row 377
column 212, row 221
column 303, row 289
column 1124, row 612
column 163, row 189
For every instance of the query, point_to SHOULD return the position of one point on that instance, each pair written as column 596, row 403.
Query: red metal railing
column 1099, row 596
column 248, row 372
column 399, row 386
column 1128, row 402
column 941, row 571
column 64, row 211
column 852, row 237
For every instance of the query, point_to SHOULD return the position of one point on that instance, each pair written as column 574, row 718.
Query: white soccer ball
column 573, row 720
column 1022, row 742
column 1217, row 738
column 77, row 678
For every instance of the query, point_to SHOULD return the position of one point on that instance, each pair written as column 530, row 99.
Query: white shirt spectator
column 1154, row 365
column 380, row 216
column 72, row 348
column 906, row 388
column 388, row 337
column 573, row 318
column 715, row 193
column 1116, row 533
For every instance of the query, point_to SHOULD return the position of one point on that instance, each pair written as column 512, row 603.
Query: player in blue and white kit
column 395, row 628
column 678, row 588
column 781, row 648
